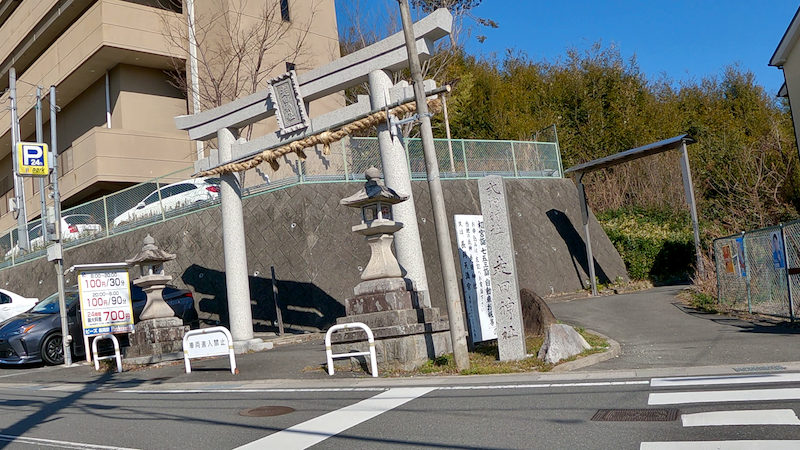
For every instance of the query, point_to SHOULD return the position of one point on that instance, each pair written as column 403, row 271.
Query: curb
column 612, row 352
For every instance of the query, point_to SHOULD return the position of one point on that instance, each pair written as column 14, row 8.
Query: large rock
column 561, row 342
column 536, row 315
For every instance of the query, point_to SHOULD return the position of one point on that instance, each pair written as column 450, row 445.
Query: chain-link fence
column 178, row 193
column 759, row 271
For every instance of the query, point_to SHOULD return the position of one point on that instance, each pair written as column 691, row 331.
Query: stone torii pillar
column 396, row 173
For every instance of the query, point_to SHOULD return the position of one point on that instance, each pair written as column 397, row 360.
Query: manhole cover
column 636, row 415
column 266, row 411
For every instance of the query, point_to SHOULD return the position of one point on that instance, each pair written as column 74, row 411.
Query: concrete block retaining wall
column 305, row 234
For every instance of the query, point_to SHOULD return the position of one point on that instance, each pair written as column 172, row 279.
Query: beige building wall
column 126, row 39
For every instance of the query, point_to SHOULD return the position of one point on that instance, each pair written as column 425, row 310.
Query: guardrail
column 177, row 194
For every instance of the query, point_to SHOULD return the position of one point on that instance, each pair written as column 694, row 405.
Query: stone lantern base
column 406, row 336
column 157, row 340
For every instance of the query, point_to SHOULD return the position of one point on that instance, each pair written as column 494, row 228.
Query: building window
column 285, row 10
column 289, row 66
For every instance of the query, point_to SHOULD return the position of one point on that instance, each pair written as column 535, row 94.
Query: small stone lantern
column 151, row 261
column 375, row 201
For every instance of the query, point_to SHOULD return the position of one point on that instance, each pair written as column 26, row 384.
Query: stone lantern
column 376, row 201
column 152, row 280
column 406, row 334
column 158, row 334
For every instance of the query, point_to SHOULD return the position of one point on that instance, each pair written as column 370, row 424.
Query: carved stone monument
column 406, row 333
column 158, row 334
column 502, row 269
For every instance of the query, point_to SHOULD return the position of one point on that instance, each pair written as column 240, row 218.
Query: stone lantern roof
column 373, row 191
column 150, row 253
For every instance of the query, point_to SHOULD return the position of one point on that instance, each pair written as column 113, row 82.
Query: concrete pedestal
column 156, row 340
column 404, row 338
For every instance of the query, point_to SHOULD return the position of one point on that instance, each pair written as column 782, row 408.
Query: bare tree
column 239, row 48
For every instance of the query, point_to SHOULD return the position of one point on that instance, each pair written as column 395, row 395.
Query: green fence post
column 11, row 240
column 105, row 213
column 408, row 158
column 344, row 160
column 747, row 270
column 716, row 267
column 160, row 202
column 514, row 159
column 464, row 154
column 300, row 174
column 786, row 271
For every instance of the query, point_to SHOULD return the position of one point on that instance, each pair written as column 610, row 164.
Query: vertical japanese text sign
column 475, row 278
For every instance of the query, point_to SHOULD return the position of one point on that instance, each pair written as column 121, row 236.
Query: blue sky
column 685, row 40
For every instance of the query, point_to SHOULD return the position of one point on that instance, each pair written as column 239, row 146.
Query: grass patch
column 703, row 302
column 483, row 361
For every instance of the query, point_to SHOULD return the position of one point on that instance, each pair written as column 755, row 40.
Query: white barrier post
column 214, row 341
column 370, row 338
column 116, row 354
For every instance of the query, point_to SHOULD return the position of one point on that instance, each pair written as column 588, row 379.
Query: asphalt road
column 655, row 329
column 555, row 414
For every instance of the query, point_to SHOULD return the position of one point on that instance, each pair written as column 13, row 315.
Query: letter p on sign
column 32, row 159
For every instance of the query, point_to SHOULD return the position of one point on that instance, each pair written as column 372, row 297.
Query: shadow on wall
column 304, row 306
column 576, row 247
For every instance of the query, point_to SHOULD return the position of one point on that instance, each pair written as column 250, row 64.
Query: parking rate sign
column 105, row 302
column 32, row 159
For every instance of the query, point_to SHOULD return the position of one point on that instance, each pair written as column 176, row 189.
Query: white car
column 12, row 304
column 73, row 226
column 173, row 196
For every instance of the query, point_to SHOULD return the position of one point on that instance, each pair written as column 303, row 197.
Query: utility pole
column 458, row 334
column 42, row 184
column 23, row 242
column 56, row 254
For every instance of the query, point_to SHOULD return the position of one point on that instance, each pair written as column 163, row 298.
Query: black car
column 35, row 336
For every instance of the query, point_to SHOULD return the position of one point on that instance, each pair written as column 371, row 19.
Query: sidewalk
column 658, row 337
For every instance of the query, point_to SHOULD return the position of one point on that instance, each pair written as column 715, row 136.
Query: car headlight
column 23, row 329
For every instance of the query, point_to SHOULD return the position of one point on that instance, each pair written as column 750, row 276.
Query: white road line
column 741, row 417
column 374, row 389
column 725, row 379
column 54, row 443
column 746, row 395
column 250, row 391
column 318, row 429
column 716, row 445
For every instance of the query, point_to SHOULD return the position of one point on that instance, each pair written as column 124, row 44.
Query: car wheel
column 53, row 349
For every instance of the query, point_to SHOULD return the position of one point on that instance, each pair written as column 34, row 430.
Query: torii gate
column 368, row 64
column 675, row 143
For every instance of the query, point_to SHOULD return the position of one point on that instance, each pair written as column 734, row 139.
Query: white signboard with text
column 475, row 277
column 105, row 301
column 214, row 341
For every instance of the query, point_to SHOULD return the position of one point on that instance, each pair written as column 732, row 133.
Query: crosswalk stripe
column 716, row 445
column 725, row 379
column 745, row 395
column 741, row 417
column 318, row 429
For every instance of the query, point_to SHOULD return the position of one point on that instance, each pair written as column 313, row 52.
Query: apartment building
column 110, row 61
column 787, row 58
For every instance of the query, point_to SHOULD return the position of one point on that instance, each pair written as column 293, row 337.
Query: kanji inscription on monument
column 502, row 269
column 289, row 107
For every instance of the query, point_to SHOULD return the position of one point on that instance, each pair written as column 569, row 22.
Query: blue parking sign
column 32, row 159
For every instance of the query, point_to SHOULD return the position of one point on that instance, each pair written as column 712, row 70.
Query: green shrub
column 655, row 245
